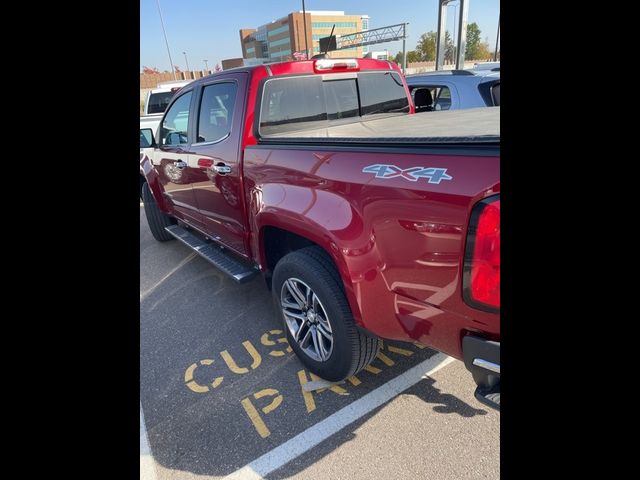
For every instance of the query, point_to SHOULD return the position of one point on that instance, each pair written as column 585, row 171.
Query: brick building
column 278, row 40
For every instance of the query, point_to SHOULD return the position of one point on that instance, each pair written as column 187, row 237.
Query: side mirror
column 146, row 138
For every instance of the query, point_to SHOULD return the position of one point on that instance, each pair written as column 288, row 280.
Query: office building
column 281, row 39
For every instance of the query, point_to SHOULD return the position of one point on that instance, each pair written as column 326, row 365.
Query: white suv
column 158, row 98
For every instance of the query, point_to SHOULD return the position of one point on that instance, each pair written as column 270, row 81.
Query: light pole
column 186, row 61
column 304, row 17
column 166, row 41
column 455, row 20
column 206, row 65
column 495, row 53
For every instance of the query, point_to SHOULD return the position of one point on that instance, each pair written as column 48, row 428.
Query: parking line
column 188, row 258
column 335, row 422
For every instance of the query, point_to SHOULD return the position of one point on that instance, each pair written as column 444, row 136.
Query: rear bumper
column 482, row 359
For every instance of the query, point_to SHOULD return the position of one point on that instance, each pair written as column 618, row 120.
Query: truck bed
column 471, row 126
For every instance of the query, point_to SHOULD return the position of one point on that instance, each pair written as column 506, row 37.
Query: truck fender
column 151, row 176
column 321, row 217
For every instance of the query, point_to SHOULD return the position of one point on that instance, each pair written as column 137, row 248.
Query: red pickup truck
column 366, row 221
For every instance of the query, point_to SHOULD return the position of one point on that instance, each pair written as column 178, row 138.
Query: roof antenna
column 324, row 54
column 330, row 35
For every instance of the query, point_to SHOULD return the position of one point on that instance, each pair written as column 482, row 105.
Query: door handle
column 180, row 164
column 222, row 169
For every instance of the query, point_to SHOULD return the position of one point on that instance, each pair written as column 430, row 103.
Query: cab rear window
column 158, row 102
column 305, row 102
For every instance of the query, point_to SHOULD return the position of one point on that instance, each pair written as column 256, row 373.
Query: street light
column 206, row 65
column 455, row 20
column 166, row 41
column 186, row 61
column 304, row 18
column 495, row 54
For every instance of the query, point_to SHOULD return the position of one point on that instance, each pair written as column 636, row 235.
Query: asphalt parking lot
column 221, row 394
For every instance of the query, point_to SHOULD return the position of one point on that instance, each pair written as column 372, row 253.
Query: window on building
column 331, row 24
column 276, row 31
column 282, row 41
column 281, row 53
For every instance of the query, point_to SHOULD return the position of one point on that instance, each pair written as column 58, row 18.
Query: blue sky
column 208, row 29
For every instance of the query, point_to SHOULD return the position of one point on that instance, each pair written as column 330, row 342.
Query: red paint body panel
column 398, row 245
column 219, row 197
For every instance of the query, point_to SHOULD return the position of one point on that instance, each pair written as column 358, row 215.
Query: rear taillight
column 481, row 280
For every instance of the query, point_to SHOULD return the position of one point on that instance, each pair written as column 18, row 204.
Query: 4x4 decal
column 435, row 175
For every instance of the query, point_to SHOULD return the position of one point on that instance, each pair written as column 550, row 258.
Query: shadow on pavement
column 443, row 402
column 424, row 390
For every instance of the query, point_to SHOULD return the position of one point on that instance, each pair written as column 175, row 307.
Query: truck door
column 215, row 158
column 170, row 160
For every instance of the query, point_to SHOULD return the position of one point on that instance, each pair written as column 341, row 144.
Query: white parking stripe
column 147, row 464
column 322, row 430
column 189, row 257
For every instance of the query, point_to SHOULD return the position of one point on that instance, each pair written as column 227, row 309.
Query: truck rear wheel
column 156, row 218
column 320, row 328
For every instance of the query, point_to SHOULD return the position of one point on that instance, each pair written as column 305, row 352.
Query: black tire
column 142, row 182
column 156, row 219
column 352, row 350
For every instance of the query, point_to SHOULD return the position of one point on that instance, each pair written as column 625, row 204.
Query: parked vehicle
column 365, row 221
column 158, row 98
column 455, row 89
column 380, row 55
column 495, row 66
column 151, row 122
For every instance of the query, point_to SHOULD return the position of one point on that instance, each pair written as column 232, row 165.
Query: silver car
column 455, row 89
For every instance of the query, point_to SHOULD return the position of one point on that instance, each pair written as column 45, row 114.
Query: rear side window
column 495, row 94
column 490, row 92
column 158, row 102
column 216, row 111
column 442, row 98
column 304, row 102
column 431, row 98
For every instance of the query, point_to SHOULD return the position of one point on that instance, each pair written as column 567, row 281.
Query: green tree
column 426, row 47
column 483, row 52
column 449, row 49
column 412, row 57
column 472, row 51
